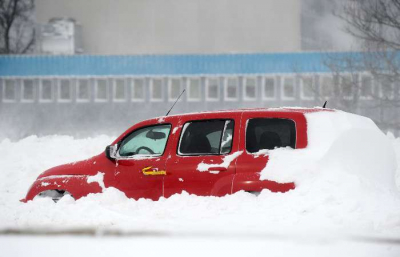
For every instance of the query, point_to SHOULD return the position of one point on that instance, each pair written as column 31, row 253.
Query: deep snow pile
column 340, row 188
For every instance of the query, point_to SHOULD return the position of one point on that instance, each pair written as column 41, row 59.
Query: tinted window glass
column 269, row 134
column 206, row 137
column 146, row 141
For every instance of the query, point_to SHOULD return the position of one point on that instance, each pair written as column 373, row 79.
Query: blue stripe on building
column 96, row 65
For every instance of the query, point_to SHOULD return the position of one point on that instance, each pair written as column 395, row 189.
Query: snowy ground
column 325, row 217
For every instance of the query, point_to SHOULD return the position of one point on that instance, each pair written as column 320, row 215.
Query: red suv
column 206, row 154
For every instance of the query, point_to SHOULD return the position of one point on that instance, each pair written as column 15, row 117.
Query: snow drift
column 340, row 145
column 345, row 184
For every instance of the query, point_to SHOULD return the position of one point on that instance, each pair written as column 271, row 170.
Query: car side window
column 206, row 137
column 145, row 141
column 270, row 133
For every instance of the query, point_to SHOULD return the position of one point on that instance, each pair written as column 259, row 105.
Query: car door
column 203, row 162
column 141, row 158
column 263, row 132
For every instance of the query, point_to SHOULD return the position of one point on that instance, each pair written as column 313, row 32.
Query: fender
column 251, row 182
column 76, row 185
column 72, row 177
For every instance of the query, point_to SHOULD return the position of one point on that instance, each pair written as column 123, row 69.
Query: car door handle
column 217, row 169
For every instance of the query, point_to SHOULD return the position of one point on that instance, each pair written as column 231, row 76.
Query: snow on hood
column 340, row 145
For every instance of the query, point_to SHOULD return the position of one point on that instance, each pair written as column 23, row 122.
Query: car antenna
column 175, row 102
column 324, row 106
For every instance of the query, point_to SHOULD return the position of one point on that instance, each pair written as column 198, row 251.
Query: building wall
column 84, row 95
column 181, row 26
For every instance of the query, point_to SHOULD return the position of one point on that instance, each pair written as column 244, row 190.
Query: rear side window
column 269, row 134
column 208, row 137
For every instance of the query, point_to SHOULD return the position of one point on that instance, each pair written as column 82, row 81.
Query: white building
column 181, row 26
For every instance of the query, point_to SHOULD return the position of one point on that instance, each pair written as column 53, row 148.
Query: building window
column 64, row 90
column 250, row 89
column 119, row 89
column 327, row 86
column 386, row 86
column 366, row 91
column 269, row 88
column 288, row 88
column 212, row 92
column 174, row 88
column 101, row 90
column 346, row 85
column 156, row 90
column 28, row 90
column 83, row 90
column 194, row 89
column 138, row 89
column 231, row 89
column 46, row 90
column 307, row 87
column 9, row 90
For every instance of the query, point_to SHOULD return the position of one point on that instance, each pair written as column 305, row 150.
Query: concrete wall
column 181, row 26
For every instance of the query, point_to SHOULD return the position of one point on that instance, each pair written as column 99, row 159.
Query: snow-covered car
column 211, row 154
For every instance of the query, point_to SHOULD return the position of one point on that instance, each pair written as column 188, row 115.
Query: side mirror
column 111, row 152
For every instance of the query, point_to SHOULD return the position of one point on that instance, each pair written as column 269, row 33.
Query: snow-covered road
column 194, row 245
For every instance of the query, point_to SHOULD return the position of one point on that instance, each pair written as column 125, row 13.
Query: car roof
column 250, row 110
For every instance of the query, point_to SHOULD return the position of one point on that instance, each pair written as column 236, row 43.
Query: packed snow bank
column 22, row 161
column 325, row 201
column 340, row 145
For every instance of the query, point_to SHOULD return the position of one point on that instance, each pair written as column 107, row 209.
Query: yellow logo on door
column 149, row 171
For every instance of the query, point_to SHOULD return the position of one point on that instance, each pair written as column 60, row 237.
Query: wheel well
column 256, row 193
column 54, row 194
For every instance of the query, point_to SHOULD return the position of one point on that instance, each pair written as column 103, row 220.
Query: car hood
column 84, row 167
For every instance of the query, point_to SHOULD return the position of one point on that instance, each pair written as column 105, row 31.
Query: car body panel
column 250, row 165
column 171, row 173
column 183, row 172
